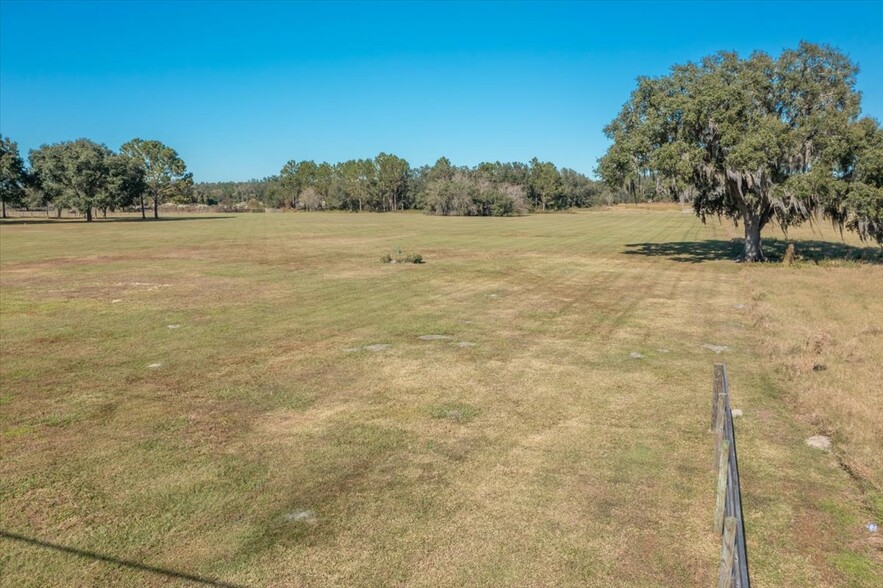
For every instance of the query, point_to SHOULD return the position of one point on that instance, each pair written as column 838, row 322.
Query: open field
column 269, row 448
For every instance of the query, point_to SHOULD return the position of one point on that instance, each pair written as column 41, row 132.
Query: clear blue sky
column 240, row 88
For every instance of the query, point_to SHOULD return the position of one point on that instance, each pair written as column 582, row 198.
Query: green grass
column 541, row 455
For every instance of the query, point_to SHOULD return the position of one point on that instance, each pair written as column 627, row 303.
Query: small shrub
column 400, row 258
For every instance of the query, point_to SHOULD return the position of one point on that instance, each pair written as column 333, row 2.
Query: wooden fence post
column 728, row 552
column 719, row 428
column 728, row 519
column 717, row 388
column 722, row 476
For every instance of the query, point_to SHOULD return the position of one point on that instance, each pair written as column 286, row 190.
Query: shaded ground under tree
column 717, row 249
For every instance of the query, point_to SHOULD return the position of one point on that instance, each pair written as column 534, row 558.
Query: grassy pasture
column 270, row 448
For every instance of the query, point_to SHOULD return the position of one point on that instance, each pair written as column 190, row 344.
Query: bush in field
column 400, row 258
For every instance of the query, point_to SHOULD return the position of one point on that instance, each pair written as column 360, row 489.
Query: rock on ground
column 819, row 442
column 377, row 347
column 716, row 348
column 301, row 516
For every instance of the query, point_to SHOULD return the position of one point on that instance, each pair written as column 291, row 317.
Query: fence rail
column 728, row 520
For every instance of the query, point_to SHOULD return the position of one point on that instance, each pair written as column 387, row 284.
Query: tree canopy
column 84, row 175
column 165, row 173
column 755, row 140
column 13, row 176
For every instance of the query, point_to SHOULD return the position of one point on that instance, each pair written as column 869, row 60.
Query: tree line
column 86, row 176
column 388, row 182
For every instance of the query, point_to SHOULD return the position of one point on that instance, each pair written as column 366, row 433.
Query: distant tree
column 755, row 140
column 296, row 177
column 272, row 194
column 418, row 181
column 499, row 199
column 577, row 190
column 545, row 183
column 392, row 181
column 181, row 191
column 517, row 195
column 164, row 171
column 13, row 177
column 442, row 170
column 454, row 196
column 310, row 199
column 126, row 184
column 76, row 174
column 323, row 179
column 356, row 177
column 35, row 195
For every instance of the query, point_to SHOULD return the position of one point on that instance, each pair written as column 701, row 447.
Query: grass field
column 267, row 447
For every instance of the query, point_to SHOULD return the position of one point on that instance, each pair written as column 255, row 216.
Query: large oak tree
column 756, row 140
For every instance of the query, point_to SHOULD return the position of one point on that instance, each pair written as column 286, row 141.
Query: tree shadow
column 21, row 220
column 171, row 574
column 774, row 249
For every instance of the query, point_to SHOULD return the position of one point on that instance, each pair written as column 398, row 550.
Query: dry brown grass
column 823, row 327
column 574, row 465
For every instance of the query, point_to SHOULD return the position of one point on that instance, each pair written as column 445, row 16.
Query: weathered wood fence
column 728, row 521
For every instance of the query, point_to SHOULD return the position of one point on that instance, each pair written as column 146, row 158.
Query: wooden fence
column 728, row 521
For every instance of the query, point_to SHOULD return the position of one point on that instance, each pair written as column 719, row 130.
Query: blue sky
column 240, row 88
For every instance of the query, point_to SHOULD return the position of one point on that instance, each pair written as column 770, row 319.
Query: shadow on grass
column 21, row 220
column 171, row 574
column 774, row 249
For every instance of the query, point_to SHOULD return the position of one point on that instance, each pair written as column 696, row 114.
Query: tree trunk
column 89, row 214
column 753, row 251
column 58, row 210
column 4, row 209
column 155, row 208
column 143, row 214
column 104, row 213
